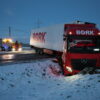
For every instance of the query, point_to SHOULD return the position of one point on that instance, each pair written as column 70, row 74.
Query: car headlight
column 13, row 49
column 69, row 69
column 20, row 49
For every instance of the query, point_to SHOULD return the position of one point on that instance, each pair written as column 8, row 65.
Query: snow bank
column 35, row 81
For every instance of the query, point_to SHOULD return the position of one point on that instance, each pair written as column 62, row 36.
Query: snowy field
column 35, row 81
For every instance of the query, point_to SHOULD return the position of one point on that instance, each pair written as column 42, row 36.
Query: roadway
column 19, row 56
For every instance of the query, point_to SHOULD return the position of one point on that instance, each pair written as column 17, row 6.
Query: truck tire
column 39, row 51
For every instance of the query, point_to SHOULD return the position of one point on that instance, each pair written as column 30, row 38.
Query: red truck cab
column 81, row 47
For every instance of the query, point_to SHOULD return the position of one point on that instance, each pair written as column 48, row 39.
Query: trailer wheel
column 31, row 47
column 39, row 51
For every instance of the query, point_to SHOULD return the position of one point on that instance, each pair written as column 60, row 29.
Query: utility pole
column 9, row 31
column 38, row 23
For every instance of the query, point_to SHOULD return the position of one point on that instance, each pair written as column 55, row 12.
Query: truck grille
column 80, row 64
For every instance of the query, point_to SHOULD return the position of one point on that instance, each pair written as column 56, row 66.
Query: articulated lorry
column 77, row 45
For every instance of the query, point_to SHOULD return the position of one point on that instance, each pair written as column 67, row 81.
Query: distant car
column 9, row 45
column 6, row 47
column 16, row 46
column 6, row 44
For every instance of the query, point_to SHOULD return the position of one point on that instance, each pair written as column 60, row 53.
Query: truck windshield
column 84, row 45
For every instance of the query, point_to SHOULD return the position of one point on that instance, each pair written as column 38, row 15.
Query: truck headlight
column 69, row 69
column 96, row 49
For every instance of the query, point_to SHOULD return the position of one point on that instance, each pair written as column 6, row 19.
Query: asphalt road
column 18, row 57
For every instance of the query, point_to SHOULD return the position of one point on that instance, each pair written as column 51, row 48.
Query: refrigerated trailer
column 50, row 38
column 77, row 45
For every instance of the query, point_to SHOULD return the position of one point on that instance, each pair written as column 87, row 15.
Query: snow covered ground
column 34, row 81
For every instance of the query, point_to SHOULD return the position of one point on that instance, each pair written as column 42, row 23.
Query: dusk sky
column 23, row 15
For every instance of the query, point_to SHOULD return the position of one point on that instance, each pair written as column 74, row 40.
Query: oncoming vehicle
column 16, row 46
column 9, row 45
column 6, row 44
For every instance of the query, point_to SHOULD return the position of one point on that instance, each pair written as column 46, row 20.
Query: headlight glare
column 69, row 69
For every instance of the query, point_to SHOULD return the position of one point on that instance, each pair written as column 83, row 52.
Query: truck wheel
column 41, row 52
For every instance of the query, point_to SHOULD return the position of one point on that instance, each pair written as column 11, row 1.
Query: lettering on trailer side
column 40, row 37
column 82, row 32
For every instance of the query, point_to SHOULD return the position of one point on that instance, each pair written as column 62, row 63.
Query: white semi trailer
column 50, row 38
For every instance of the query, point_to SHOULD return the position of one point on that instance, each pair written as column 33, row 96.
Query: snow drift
column 34, row 81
